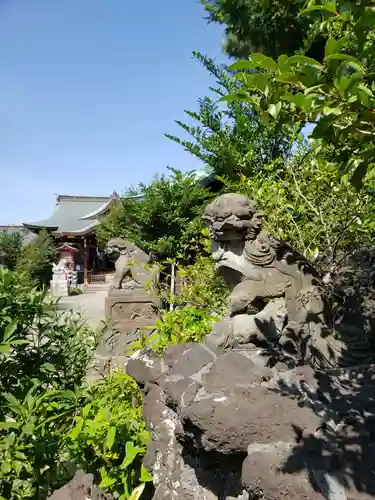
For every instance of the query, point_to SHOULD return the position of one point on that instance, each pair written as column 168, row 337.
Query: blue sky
column 87, row 90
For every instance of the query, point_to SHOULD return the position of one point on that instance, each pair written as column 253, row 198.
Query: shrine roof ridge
column 69, row 197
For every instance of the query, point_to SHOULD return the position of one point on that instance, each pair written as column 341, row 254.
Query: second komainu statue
column 277, row 297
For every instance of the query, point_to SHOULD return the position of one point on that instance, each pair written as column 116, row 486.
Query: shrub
column 109, row 437
column 43, row 361
column 178, row 326
column 306, row 204
column 201, row 287
column 200, row 302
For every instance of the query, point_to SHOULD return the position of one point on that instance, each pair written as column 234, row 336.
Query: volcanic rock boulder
column 81, row 487
column 229, row 427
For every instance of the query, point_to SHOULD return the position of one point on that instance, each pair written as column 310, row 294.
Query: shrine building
column 73, row 225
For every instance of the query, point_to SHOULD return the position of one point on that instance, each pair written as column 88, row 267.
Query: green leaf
column 9, row 331
column 131, row 452
column 110, row 439
column 6, row 467
column 106, row 482
column 367, row 19
column 242, row 64
column 255, row 61
column 8, row 425
column 365, row 89
column 5, row 348
column 255, row 80
column 145, row 475
column 77, row 429
column 327, row 7
column 137, row 492
column 282, row 60
column 19, row 342
column 332, row 111
column 313, row 89
column 288, row 77
column 28, row 428
column 237, row 96
column 261, row 81
column 304, row 60
column 359, row 174
column 332, row 46
column 345, row 57
column 274, row 110
column 13, row 403
column 48, row 367
column 342, row 83
column 301, row 100
column 86, row 410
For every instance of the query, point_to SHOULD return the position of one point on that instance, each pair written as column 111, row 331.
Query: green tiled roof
column 76, row 215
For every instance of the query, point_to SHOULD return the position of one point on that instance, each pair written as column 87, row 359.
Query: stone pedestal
column 130, row 313
column 131, row 310
column 59, row 284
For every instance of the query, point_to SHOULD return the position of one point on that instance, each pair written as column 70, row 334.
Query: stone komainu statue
column 133, row 267
column 276, row 294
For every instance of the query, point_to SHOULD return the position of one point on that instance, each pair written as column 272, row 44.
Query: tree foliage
column 233, row 140
column 336, row 95
column 37, row 258
column 10, row 248
column 306, row 205
column 165, row 221
column 271, row 27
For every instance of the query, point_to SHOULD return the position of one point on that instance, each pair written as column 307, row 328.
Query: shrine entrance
column 91, row 262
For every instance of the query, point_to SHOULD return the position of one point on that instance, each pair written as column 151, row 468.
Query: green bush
column 35, row 259
column 39, row 343
column 32, row 457
column 43, row 361
column 178, row 326
column 109, row 437
column 305, row 203
column 201, row 287
column 201, row 300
